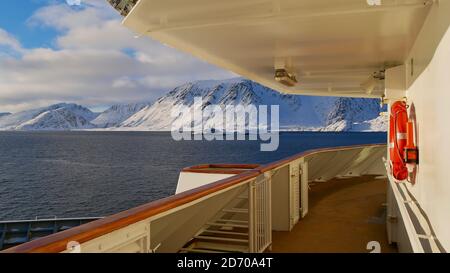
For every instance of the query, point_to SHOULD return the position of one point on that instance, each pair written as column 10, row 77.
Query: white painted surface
column 331, row 46
column 395, row 83
column 430, row 94
column 188, row 181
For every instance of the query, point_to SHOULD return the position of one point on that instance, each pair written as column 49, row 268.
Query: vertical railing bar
column 269, row 206
column 258, row 205
column 251, row 217
column 263, row 211
column 260, row 215
column 148, row 241
column 257, row 216
column 260, row 218
column 266, row 212
column 258, row 212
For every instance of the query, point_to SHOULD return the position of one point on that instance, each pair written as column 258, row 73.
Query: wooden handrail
column 284, row 161
column 221, row 168
column 58, row 242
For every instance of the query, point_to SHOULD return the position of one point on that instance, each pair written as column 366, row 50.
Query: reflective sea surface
column 81, row 174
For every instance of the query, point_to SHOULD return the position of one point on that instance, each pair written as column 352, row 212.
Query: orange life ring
column 398, row 125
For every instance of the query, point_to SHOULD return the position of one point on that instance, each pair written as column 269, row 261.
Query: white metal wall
column 430, row 94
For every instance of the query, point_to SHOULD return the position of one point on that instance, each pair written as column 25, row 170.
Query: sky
column 51, row 51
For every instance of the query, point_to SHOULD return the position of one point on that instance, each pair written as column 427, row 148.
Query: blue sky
column 14, row 17
column 52, row 52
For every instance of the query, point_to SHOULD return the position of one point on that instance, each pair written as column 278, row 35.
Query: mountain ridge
column 297, row 113
column 302, row 113
column 117, row 114
column 61, row 116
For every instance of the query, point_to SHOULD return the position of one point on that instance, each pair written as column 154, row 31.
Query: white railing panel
column 260, row 218
column 294, row 185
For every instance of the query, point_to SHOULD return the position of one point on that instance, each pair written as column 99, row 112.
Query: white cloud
column 9, row 42
column 124, row 82
column 96, row 62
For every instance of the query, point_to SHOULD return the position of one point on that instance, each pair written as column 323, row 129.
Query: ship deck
column 344, row 215
column 234, row 213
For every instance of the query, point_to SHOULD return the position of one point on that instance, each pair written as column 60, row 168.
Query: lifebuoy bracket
column 411, row 155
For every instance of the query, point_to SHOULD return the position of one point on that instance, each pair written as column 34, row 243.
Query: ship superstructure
column 394, row 50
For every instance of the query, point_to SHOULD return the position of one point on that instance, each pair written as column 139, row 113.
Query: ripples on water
column 81, row 174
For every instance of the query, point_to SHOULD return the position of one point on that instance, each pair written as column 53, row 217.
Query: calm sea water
column 81, row 174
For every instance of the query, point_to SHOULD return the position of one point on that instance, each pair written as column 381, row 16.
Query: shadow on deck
column 344, row 216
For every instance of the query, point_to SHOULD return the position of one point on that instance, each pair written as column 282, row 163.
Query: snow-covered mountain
column 117, row 114
column 62, row 116
column 296, row 112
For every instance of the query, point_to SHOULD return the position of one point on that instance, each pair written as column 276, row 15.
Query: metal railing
column 260, row 214
column 166, row 225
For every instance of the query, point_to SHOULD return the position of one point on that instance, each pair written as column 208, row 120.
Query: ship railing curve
column 235, row 214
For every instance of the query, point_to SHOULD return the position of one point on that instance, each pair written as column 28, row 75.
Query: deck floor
column 344, row 215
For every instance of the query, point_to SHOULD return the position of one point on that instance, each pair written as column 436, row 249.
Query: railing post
column 148, row 239
column 304, row 189
column 269, row 200
column 251, row 215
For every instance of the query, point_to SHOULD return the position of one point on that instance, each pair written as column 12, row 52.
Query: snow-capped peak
column 296, row 112
column 116, row 114
column 61, row 116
